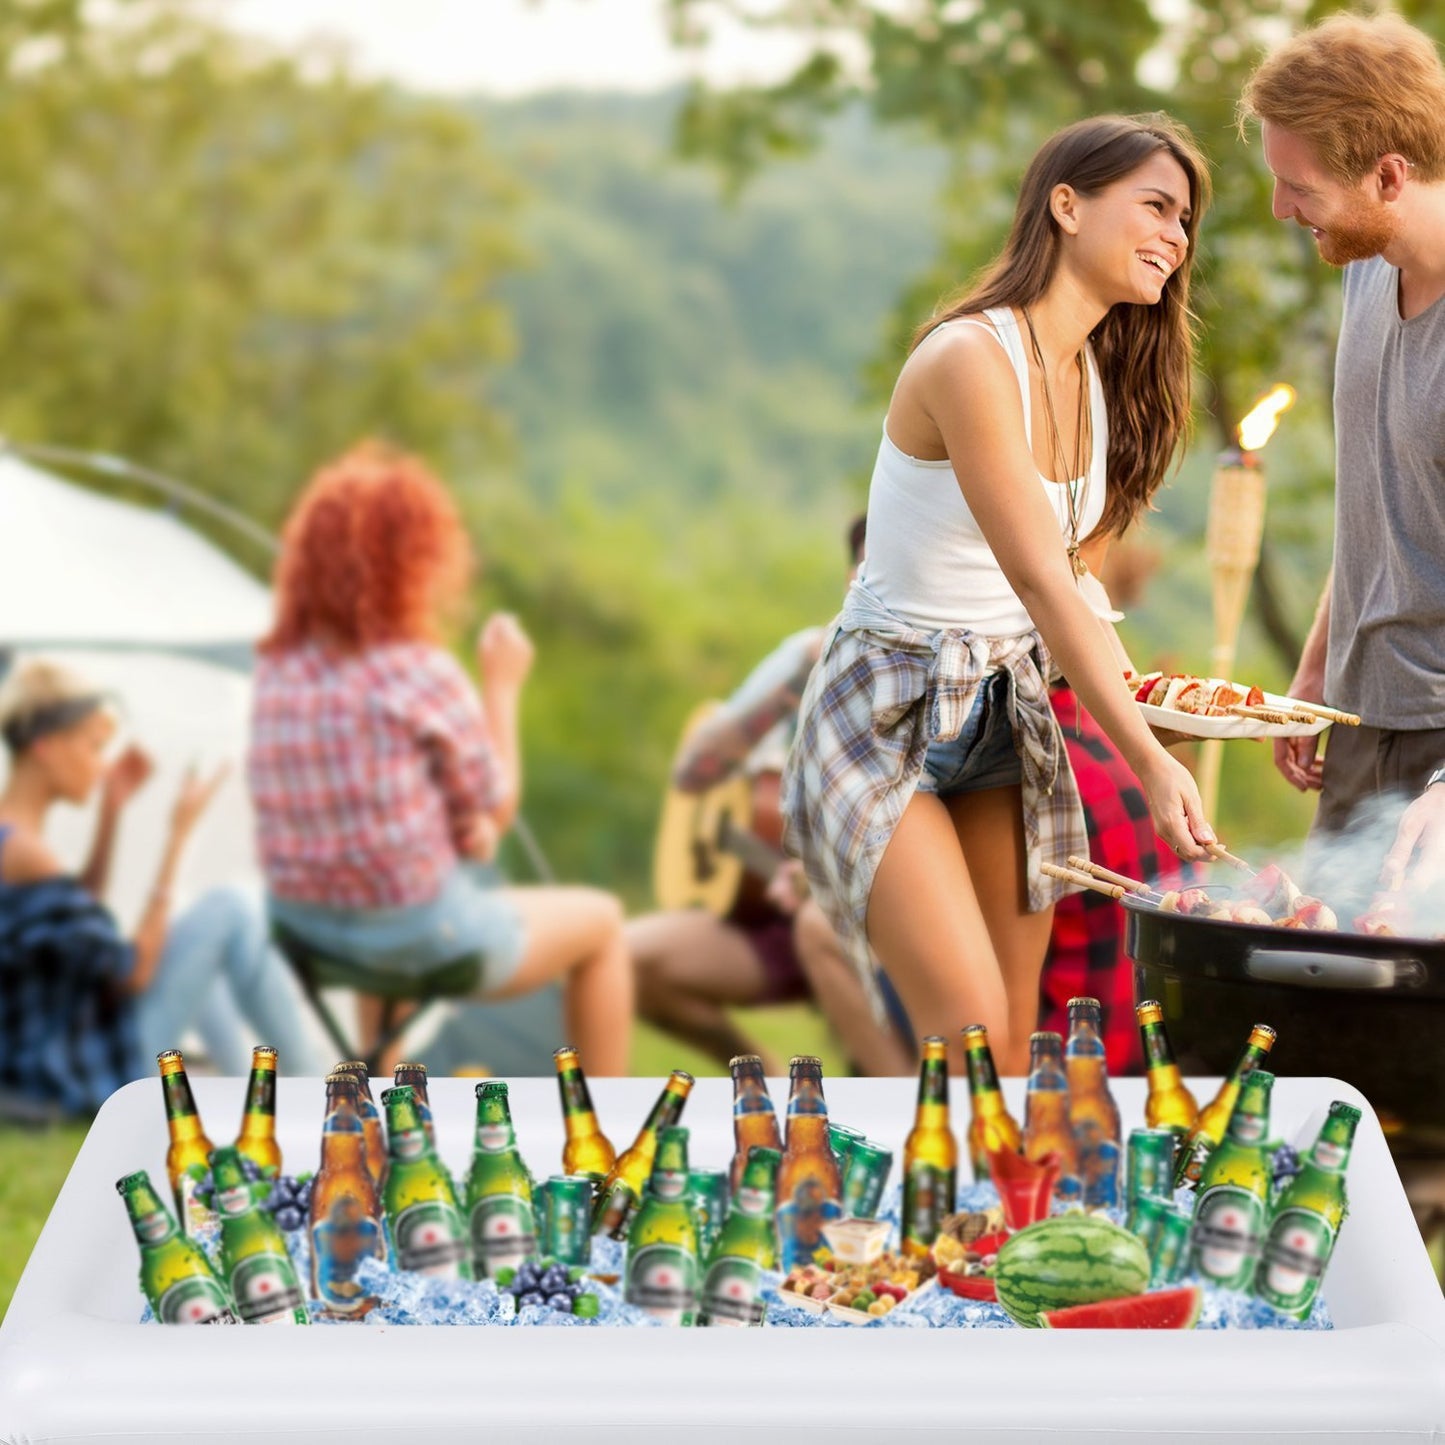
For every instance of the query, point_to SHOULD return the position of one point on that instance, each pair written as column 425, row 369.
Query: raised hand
column 504, row 651
column 195, row 796
column 126, row 776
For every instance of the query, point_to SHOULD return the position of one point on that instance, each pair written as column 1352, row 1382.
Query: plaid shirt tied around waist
column 882, row 691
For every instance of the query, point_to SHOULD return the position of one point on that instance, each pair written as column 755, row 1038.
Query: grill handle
column 1303, row 969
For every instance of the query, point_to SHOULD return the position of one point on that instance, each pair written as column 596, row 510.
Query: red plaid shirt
column 1086, row 955
column 365, row 770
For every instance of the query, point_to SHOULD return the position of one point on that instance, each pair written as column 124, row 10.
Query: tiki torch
column 1232, row 538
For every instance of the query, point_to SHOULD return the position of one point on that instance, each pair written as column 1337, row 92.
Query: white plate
column 1199, row 726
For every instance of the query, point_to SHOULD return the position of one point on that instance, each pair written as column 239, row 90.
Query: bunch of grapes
column 1284, row 1166
column 289, row 1200
column 551, row 1284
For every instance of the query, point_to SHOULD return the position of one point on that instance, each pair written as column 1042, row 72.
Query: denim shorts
column 983, row 754
column 470, row 915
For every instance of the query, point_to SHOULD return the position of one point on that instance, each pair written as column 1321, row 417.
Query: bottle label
column 928, row 1195
column 267, row 1291
column 1191, row 1166
column 755, row 1203
column 752, row 1101
column 152, row 1228
column 669, row 1183
column 179, row 1102
column 1247, row 1128
column 982, row 1077
column 732, row 1293
column 430, row 1240
column 1099, row 1166
column 408, row 1144
column 801, row 1221
column 196, row 1216
column 339, row 1243
column 261, row 1096
column 575, row 1098
column 1295, row 1255
column 662, row 1279
column 614, row 1214
column 1329, row 1155
column 234, row 1201
column 1156, row 1047
column 494, row 1138
column 196, row 1300
column 504, row 1232
column 1227, row 1233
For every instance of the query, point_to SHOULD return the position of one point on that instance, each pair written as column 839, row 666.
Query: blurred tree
column 230, row 263
column 990, row 81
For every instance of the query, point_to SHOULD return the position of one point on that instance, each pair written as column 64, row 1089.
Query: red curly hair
column 373, row 552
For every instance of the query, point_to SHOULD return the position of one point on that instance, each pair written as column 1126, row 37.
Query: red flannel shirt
column 365, row 770
column 1086, row 955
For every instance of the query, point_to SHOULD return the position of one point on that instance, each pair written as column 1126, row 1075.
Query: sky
column 512, row 47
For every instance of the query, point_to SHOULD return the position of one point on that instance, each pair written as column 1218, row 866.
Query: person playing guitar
column 751, row 935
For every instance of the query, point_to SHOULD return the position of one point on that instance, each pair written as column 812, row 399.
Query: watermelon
column 1071, row 1259
column 1165, row 1309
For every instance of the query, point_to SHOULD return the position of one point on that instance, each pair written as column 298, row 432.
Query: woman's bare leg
column 990, row 830
column 690, row 968
column 926, row 926
column 575, row 934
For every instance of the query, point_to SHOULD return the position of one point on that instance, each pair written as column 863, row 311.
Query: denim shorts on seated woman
column 983, row 754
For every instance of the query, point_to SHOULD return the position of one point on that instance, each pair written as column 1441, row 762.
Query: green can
column 1146, row 1219
column 842, row 1139
column 864, row 1180
column 1170, row 1250
column 1151, row 1165
column 707, row 1189
column 566, row 1217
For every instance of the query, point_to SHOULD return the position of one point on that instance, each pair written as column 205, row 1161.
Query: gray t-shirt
column 1387, row 613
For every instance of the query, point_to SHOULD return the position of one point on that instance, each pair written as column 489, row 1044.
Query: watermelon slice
column 1167, row 1309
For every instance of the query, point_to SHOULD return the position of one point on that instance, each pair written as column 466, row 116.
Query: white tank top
column 927, row 560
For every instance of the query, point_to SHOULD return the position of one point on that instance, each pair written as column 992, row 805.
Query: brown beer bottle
column 189, row 1155
column 1092, row 1111
column 810, row 1193
column 413, row 1076
column 1046, row 1114
column 345, row 1216
column 257, row 1139
column 376, row 1152
column 755, row 1121
column 621, row 1191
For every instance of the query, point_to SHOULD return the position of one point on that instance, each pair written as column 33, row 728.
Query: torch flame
column 1257, row 428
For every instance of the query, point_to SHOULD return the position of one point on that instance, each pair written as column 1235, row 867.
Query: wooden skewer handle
column 1265, row 714
column 1084, row 880
column 1316, row 709
column 1107, row 875
column 1221, row 854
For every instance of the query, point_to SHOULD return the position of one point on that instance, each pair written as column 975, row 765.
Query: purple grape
column 532, row 1297
column 289, row 1217
column 560, row 1301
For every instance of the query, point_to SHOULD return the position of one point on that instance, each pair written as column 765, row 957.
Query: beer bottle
column 1046, row 1115
column 499, row 1188
column 1208, row 1129
column 188, row 1156
column 810, row 1193
column 175, row 1275
column 587, row 1149
column 747, row 1245
column 419, row 1201
column 621, row 1191
column 991, row 1126
column 344, row 1224
column 1169, row 1105
column 1229, row 1219
column 414, row 1075
column 930, row 1152
column 377, row 1157
column 1307, row 1220
column 254, row 1257
column 257, row 1139
column 1093, row 1114
column 662, row 1265
column 755, row 1121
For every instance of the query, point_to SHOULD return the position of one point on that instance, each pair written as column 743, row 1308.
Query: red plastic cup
column 1025, row 1186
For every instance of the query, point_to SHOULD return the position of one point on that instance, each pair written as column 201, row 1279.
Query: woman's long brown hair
column 1145, row 354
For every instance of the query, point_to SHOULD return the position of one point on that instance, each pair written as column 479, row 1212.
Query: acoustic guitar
column 719, row 849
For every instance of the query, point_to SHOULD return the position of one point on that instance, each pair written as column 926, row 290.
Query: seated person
column 82, row 1009
column 380, row 776
column 691, row 966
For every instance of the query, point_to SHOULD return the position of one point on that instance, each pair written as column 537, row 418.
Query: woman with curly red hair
column 382, row 780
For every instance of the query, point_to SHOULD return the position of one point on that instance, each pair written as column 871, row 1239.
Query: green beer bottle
column 587, row 1150
column 662, row 1265
column 732, row 1287
column 621, row 1191
column 175, row 1275
column 190, row 1146
column 257, row 1139
column 254, row 1257
column 1307, row 1220
column 427, row 1230
column 1208, row 1129
column 499, row 1188
column 1229, row 1218
column 930, row 1152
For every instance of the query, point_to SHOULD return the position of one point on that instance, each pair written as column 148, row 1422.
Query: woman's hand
column 481, row 838
column 195, row 796
column 1420, row 842
column 504, row 651
column 125, row 777
column 1176, row 809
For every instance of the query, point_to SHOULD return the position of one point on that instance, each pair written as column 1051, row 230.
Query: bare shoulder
column 27, row 858
column 959, row 374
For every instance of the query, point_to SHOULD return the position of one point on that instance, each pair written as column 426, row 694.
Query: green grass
column 37, row 1161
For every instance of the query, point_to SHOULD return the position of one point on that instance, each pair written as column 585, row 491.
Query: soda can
column 842, row 1139
column 867, row 1173
column 708, row 1191
column 566, row 1211
column 1170, row 1250
column 1151, row 1165
column 1146, row 1219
